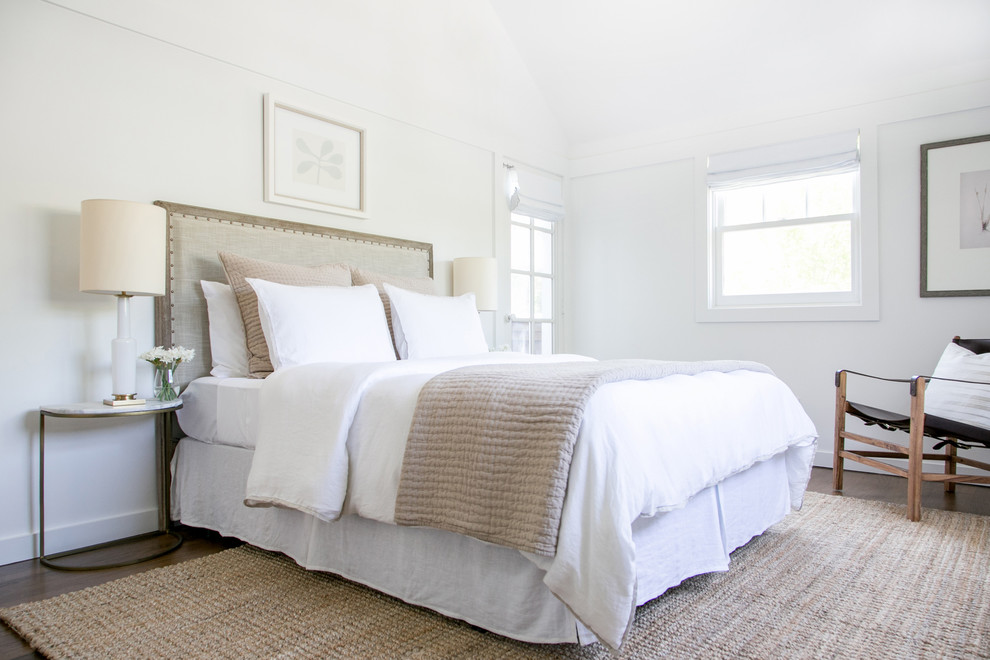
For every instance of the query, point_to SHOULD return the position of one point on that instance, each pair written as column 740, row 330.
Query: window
column 536, row 206
column 531, row 284
column 784, row 225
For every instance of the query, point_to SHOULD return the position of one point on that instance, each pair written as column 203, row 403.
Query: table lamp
column 122, row 253
column 477, row 275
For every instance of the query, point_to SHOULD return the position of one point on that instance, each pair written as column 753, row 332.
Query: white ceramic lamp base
column 123, row 353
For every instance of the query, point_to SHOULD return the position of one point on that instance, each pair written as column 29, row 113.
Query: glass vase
column 165, row 388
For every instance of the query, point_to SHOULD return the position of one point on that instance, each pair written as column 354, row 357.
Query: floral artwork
column 318, row 161
column 313, row 161
column 974, row 210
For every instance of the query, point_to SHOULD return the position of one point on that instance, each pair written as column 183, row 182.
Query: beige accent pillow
column 416, row 284
column 240, row 268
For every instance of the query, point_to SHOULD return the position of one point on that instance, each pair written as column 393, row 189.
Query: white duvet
column 331, row 439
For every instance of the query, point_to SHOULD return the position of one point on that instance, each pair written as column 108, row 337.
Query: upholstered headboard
column 195, row 235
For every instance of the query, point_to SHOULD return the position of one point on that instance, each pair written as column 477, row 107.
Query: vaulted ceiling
column 616, row 71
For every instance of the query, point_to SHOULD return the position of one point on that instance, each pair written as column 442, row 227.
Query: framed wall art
column 312, row 161
column 955, row 217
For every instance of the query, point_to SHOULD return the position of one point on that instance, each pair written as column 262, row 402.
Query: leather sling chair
column 948, row 433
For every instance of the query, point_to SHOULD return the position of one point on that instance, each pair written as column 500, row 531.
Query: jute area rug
column 843, row 578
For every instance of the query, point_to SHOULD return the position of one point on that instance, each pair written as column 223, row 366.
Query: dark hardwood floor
column 28, row 581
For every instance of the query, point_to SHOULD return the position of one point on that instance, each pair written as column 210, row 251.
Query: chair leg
column 838, row 463
column 950, row 467
column 916, row 448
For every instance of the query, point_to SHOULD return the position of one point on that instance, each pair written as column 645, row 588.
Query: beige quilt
column 489, row 449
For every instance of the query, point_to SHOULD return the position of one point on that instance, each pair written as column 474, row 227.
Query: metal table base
column 163, row 434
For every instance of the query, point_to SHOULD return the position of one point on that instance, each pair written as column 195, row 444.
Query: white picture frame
column 313, row 161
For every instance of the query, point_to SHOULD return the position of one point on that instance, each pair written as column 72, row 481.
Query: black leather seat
column 946, row 431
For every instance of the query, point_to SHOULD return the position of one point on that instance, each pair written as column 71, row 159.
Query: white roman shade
column 535, row 194
column 788, row 161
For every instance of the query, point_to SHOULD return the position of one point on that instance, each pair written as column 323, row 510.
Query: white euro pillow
column 968, row 403
column 228, row 344
column 428, row 326
column 307, row 324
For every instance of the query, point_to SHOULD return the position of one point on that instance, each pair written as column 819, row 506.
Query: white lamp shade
column 477, row 275
column 122, row 248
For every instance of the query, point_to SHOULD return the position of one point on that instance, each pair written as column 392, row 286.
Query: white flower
column 168, row 357
column 181, row 354
column 157, row 353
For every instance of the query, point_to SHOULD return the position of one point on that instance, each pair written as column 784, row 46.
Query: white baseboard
column 20, row 548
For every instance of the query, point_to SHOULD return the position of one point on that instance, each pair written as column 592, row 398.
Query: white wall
column 633, row 247
column 146, row 101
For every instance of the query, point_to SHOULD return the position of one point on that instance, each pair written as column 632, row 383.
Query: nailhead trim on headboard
column 195, row 235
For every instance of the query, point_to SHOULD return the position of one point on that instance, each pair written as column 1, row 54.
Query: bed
column 309, row 461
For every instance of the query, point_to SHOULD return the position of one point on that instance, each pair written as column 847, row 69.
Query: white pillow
column 435, row 326
column 228, row 346
column 306, row 324
column 962, row 402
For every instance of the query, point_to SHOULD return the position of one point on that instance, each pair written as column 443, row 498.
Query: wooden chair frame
column 913, row 452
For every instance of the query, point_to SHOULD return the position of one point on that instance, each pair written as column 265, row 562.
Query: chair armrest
column 913, row 380
column 859, row 373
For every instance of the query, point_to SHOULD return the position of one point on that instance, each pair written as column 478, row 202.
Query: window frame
column 532, row 320
column 720, row 300
column 868, row 306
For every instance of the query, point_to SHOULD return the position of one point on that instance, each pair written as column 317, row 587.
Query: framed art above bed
column 313, row 161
